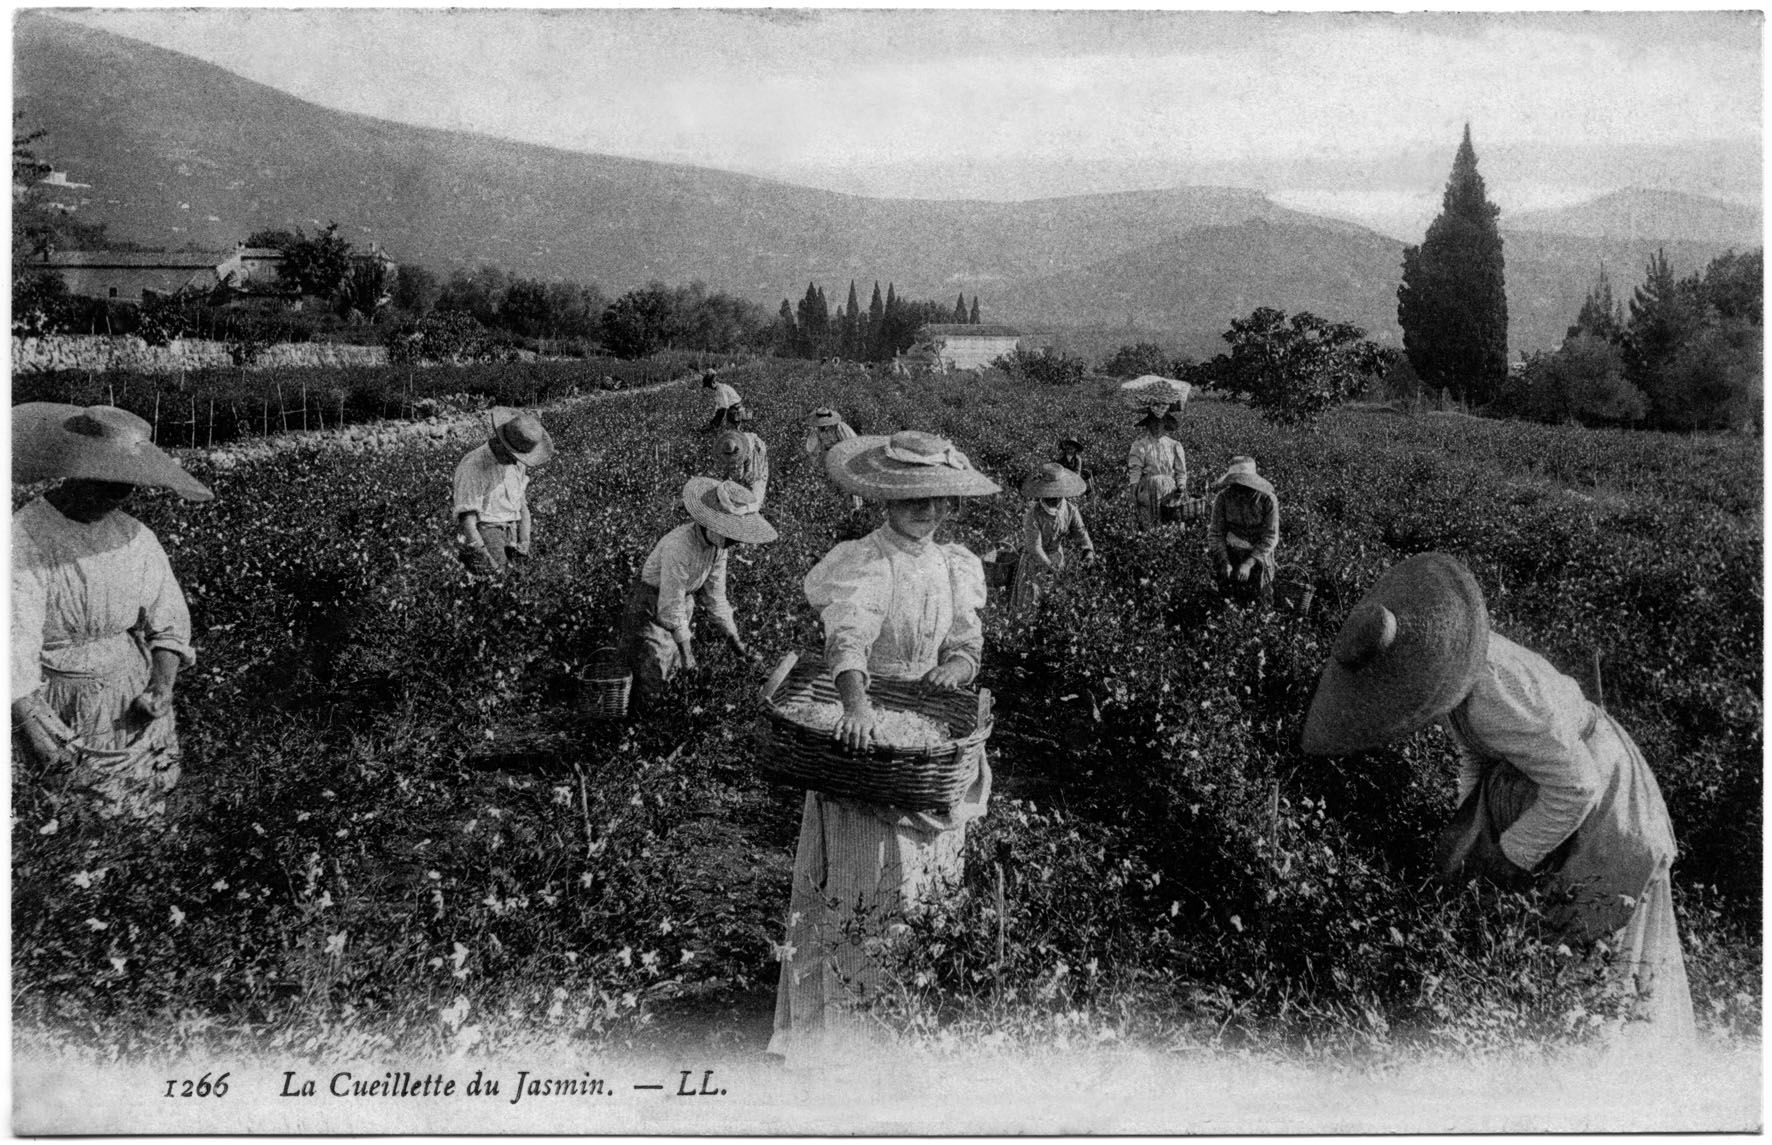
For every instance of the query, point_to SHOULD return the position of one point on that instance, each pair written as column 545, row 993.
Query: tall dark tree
column 316, row 266
column 787, row 331
column 973, row 319
column 1600, row 315
column 850, row 337
column 814, row 323
column 1666, row 312
column 876, row 324
column 960, row 309
column 1452, row 304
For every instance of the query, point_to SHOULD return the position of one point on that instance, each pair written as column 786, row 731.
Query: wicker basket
column 606, row 685
column 1178, row 507
column 1295, row 595
column 916, row 779
column 999, row 567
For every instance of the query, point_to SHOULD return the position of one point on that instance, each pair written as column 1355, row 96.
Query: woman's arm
column 1033, row 539
column 855, row 727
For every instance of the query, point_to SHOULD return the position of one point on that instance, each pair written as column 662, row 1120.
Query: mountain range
column 178, row 152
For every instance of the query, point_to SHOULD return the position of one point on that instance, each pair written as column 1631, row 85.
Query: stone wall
column 89, row 352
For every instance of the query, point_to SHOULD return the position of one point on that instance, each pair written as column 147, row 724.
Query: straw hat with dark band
column 727, row 508
column 908, row 465
column 52, row 441
column 1053, row 480
column 522, row 433
column 824, row 416
column 1242, row 472
column 1407, row 654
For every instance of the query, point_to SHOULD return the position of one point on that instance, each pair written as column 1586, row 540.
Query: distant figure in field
column 100, row 627
column 1070, row 455
column 726, row 400
column 686, row 565
column 1156, row 466
column 491, row 491
column 1049, row 526
column 1245, row 531
column 825, row 427
column 745, row 459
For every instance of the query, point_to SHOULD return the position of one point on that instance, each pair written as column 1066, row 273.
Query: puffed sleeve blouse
column 896, row 607
column 1526, row 712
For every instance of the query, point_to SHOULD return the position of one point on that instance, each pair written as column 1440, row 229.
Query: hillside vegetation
column 396, row 831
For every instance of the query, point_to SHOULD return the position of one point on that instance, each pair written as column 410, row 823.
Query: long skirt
column 131, row 764
column 1031, row 580
column 1613, row 877
column 645, row 645
column 859, row 869
column 1147, row 499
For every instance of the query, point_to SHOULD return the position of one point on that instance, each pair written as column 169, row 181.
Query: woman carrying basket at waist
column 1156, row 465
column 896, row 605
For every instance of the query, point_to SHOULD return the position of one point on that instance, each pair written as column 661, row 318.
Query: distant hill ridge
column 1637, row 213
column 178, row 151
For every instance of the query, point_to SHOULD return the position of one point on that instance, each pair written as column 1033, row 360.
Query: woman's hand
column 1244, row 569
column 48, row 736
column 151, row 705
column 855, row 727
column 949, row 674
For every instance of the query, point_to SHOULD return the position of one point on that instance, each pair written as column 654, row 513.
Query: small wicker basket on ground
column 606, row 685
column 1294, row 594
column 913, row 778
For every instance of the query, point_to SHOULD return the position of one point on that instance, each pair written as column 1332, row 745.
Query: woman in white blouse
column 1156, row 466
column 1552, row 789
column 100, row 627
column 896, row 605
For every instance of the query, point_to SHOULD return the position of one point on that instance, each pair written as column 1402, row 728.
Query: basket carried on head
column 913, row 778
column 606, row 685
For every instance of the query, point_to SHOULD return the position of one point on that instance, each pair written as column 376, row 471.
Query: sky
column 1348, row 114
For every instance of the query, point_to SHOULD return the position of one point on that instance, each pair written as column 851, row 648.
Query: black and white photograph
column 886, row 571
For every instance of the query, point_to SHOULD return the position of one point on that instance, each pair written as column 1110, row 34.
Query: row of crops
column 395, row 827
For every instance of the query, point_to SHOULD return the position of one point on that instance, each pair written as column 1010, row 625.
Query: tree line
column 1685, row 354
column 887, row 328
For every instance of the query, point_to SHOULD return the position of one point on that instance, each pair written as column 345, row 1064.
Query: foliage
column 1297, row 369
column 1452, row 304
column 316, row 266
column 1694, row 345
column 1142, row 358
column 397, row 830
column 1044, row 367
column 1582, row 380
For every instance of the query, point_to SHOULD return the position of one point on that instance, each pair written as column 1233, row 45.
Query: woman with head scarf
column 1070, row 455
column 1050, row 524
column 896, row 605
column 1245, row 530
column 1552, row 789
column 686, row 565
column 100, row 627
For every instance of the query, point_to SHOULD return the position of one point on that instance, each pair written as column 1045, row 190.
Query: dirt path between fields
column 394, row 434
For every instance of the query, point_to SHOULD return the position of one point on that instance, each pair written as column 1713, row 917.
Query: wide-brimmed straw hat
column 1406, row 655
column 1242, row 472
column 1073, row 443
column 1052, row 480
column 824, row 416
column 733, row 443
column 907, row 465
column 51, row 441
column 1153, row 391
column 727, row 508
column 522, row 433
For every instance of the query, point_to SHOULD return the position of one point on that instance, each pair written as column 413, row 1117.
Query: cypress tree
column 974, row 318
column 1600, row 316
column 960, row 309
column 876, row 324
column 1452, row 304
